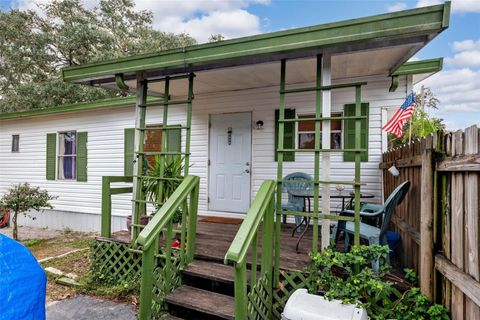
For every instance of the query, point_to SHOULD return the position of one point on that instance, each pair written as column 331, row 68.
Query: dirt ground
column 45, row 243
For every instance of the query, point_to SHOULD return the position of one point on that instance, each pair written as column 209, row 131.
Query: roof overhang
column 77, row 107
column 419, row 70
column 413, row 28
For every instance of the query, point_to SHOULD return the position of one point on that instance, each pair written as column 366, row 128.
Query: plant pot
column 143, row 221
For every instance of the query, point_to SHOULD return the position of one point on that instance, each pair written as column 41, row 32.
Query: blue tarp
column 22, row 283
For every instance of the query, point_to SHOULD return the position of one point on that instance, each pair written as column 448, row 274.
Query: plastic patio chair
column 295, row 203
column 372, row 234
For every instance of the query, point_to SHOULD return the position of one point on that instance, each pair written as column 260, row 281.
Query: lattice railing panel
column 259, row 302
column 289, row 282
column 160, row 290
column 116, row 263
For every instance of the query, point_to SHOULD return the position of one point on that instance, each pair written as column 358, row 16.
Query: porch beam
column 274, row 57
column 426, row 21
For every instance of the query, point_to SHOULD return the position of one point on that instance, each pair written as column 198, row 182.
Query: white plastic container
column 304, row 306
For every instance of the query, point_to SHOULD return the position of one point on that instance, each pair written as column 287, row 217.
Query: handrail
column 149, row 239
column 261, row 212
column 239, row 246
column 107, row 192
column 165, row 213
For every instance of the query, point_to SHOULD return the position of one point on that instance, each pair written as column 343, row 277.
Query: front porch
column 115, row 258
column 214, row 239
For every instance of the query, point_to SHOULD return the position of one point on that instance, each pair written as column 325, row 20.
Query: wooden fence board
column 472, row 220
column 452, row 233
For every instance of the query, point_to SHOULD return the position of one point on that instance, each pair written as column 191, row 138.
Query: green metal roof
column 415, row 26
column 100, row 104
column 418, row 67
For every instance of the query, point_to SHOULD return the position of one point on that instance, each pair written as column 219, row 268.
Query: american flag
column 395, row 125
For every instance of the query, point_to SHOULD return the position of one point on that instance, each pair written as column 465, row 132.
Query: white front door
column 230, row 162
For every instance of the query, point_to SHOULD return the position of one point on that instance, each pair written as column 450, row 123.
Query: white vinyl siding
column 106, row 146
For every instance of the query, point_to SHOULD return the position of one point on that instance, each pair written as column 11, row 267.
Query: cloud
column 466, row 45
column 203, row 18
column 465, row 59
column 457, row 5
column 458, row 90
column 199, row 18
column 398, row 6
column 459, row 93
column 468, row 54
column 231, row 24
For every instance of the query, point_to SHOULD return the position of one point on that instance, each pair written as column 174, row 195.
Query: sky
column 457, row 86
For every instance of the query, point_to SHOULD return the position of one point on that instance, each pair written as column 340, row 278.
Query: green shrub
column 349, row 277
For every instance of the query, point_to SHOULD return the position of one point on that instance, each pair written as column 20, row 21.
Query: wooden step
column 209, row 276
column 170, row 317
column 198, row 304
column 210, row 270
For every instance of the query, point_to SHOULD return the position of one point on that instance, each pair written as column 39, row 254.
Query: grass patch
column 32, row 242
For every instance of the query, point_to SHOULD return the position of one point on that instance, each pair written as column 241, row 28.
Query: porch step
column 198, row 304
column 209, row 276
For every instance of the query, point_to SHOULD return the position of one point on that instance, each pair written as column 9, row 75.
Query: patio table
column 307, row 195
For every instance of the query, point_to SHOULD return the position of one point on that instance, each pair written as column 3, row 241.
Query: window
column 15, row 143
column 306, row 132
column 67, row 155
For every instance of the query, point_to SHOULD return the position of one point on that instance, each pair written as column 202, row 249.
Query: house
column 215, row 105
column 67, row 149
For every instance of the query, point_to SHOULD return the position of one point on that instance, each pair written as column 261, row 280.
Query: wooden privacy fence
column 439, row 220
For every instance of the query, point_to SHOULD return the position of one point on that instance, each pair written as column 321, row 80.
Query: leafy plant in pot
column 173, row 168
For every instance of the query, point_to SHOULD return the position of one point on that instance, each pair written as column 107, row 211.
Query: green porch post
column 281, row 132
column 138, row 207
column 240, row 291
column 358, row 155
column 106, row 228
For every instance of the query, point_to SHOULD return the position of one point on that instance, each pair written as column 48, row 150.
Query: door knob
column 247, row 171
column 247, row 163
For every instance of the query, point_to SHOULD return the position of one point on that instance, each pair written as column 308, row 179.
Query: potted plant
column 173, row 168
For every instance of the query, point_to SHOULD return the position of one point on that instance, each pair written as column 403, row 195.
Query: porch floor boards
column 214, row 239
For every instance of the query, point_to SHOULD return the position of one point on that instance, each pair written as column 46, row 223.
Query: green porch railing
column 261, row 212
column 107, row 192
column 185, row 197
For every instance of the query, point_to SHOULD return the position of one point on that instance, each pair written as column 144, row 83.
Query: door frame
column 250, row 112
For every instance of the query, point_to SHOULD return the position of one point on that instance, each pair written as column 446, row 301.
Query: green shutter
column 82, row 138
column 128, row 151
column 349, row 132
column 51, row 155
column 289, row 134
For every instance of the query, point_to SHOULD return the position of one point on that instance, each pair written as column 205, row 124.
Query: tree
column 35, row 47
column 422, row 123
column 216, row 38
column 21, row 198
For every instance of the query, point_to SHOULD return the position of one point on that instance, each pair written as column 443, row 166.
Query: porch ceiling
column 373, row 45
column 344, row 67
